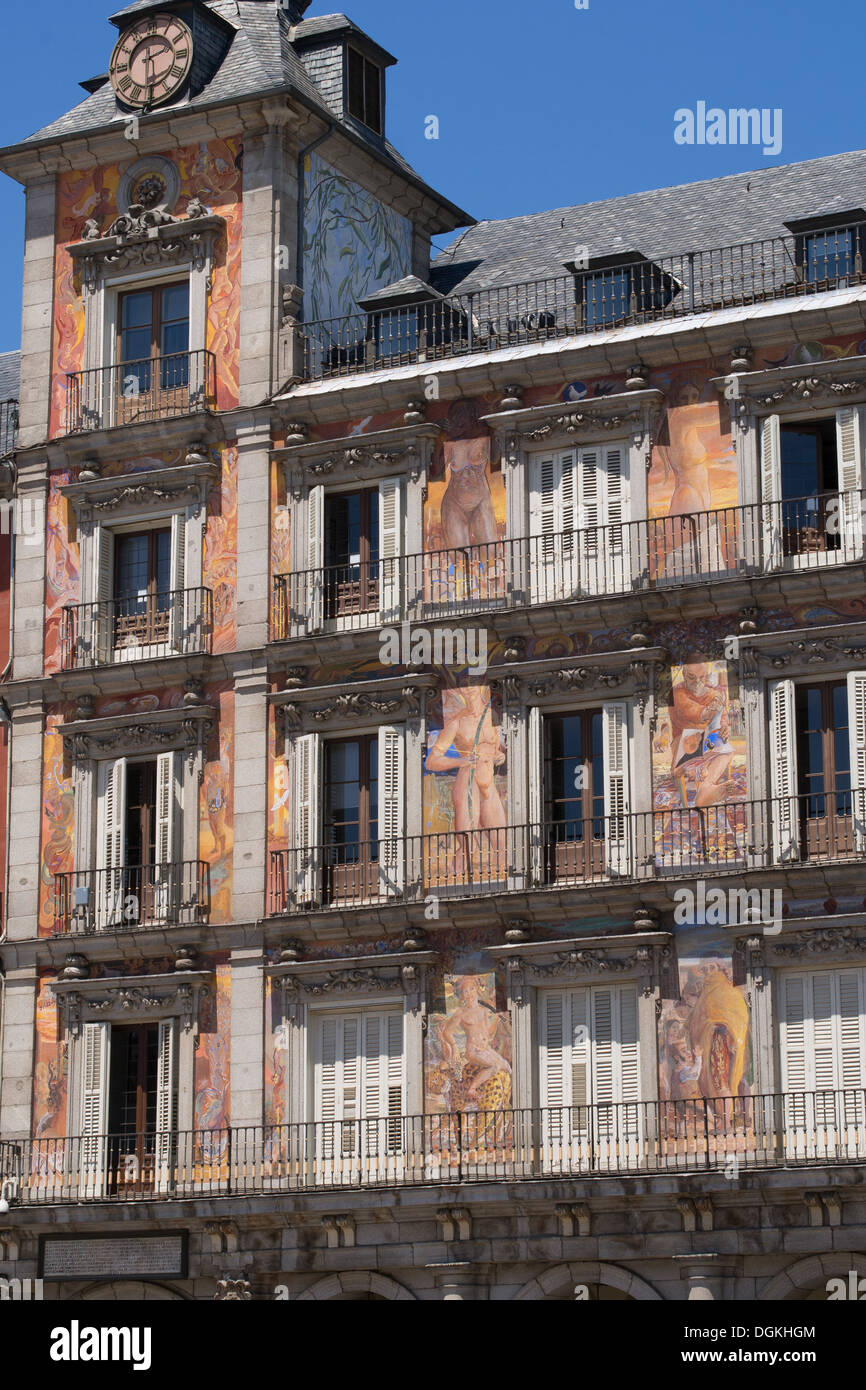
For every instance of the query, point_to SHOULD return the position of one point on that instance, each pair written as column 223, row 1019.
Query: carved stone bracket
column 754, row 953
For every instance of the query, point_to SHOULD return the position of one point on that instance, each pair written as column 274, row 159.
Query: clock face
column 151, row 61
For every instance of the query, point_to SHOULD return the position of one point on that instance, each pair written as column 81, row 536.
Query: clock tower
column 167, row 50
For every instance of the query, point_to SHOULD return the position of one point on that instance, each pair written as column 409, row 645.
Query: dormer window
column 364, row 90
column 615, row 289
column 829, row 249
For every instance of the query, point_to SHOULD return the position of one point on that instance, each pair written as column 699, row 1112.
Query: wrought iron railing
column 822, row 827
column 797, row 1129
column 659, row 553
column 137, row 895
column 636, row 292
column 153, row 388
column 8, row 427
column 177, row 623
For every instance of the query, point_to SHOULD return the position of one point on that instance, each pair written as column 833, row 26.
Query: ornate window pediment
column 112, row 497
column 352, row 457
column 144, row 238
column 644, row 956
column 628, row 413
column 189, row 727
column 820, row 385
column 803, row 651
column 125, row 998
column 401, row 973
column 336, row 707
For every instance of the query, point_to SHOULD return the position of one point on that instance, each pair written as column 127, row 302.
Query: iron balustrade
column 8, row 427
column 174, row 623
column 152, row 388
column 137, row 895
column 654, row 554
column 821, row 827
column 638, row 291
column 794, row 1129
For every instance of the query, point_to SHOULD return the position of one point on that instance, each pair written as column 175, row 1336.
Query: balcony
column 631, row 557
column 789, row 833
column 593, row 299
column 8, row 427
column 639, row 1138
column 134, row 897
column 139, row 628
column 130, row 393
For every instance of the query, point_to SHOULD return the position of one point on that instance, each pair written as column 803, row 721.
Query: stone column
column 16, row 1078
column 38, row 294
column 25, row 810
column 247, row 1038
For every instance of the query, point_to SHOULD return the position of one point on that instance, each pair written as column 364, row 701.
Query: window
column 611, row 295
column 365, row 90
column 579, row 792
column 811, row 484
column 349, row 816
column 353, row 573
column 352, row 552
column 138, row 839
column 152, row 350
column 127, row 1106
column 831, row 255
column 578, row 509
column 140, row 604
column 823, row 1060
column 589, row 1075
column 818, row 767
column 358, row 1092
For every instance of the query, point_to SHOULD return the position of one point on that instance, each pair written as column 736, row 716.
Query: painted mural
column 705, row 1048
column 464, row 527
column 212, row 1075
column 465, row 788
column 220, row 556
column 353, row 244
column 216, row 821
column 468, row 1043
column 209, row 171
column 58, row 815
column 49, row 1067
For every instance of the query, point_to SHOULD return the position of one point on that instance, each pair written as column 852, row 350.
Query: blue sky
column 540, row 105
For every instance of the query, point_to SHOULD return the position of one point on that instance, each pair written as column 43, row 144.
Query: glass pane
column 801, row 468
column 137, row 310
column 175, row 338
column 828, row 255
column 175, row 302
column 607, row 296
column 131, row 566
column 135, row 344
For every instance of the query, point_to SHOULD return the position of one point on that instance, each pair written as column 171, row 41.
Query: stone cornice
column 641, row 954
column 761, row 951
column 626, row 413
column 133, row 243
column 187, row 727
column 172, row 486
column 627, row 673
column 401, row 972
column 800, row 650
column 122, row 996
column 355, row 455
column 819, row 385
column 311, row 707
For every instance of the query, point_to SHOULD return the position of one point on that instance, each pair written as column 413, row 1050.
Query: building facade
column 438, row 709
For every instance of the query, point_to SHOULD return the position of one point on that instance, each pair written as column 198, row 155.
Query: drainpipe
column 302, row 209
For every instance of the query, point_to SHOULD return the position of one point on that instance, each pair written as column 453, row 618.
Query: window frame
column 378, row 104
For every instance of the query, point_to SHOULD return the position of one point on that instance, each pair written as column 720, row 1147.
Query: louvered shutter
column 555, row 1102
column 795, row 1081
column 111, row 820
column 785, row 808
column 167, row 875
column 178, row 634
column 392, row 739
column 382, row 1085
column 857, row 740
column 166, row 1106
column 544, row 510
column 590, row 520
column 617, row 548
column 306, row 854
column 93, row 1105
column 616, row 787
column 771, row 492
column 315, row 576
column 390, row 535
column 823, row 1049
column 535, row 786
column 851, row 1076
column 101, row 629
column 849, row 452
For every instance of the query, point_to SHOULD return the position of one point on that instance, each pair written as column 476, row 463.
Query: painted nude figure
column 477, row 1021
column 467, row 723
column 700, row 730
column 468, row 517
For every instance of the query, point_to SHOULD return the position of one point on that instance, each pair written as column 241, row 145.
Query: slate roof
column 10, row 375
column 661, row 222
column 322, row 26
column 261, row 60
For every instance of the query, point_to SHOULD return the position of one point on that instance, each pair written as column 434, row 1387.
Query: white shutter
column 797, row 1076
column 616, row 574
column 93, row 1104
column 552, row 526
column 823, row 1052
column 390, row 529
column 392, row 818
column 616, row 786
column 382, row 1083
column 166, row 1105
column 556, row 1118
column 535, row 803
column 306, row 798
column 785, row 807
column 101, row 629
column 771, row 491
column 857, row 740
column 167, row 874
column 849, row 454
column 315, row 578
column 590, row 518
column 107, row 907
column 359, row 1088
column 178, row 632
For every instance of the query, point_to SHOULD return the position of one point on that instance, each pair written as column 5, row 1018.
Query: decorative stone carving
column 295, row 678
column 290, row 951
column 352, row 981
column 581, row 422
column 187, row 733
column 825, row 941
column 455, row 1223
column 297, row 432
column 755, row 957
column 512, row 398
column 415, row 412
column 143, row 494
column 234, row 1291
column 353, row 704
column 77, row 967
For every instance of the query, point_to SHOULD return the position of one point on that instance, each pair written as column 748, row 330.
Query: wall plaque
column 113, row 1257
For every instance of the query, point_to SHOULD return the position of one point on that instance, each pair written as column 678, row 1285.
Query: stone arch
column 807, row 1275
column 356, row 1283
column 129, row 1290
column 589, row 1272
